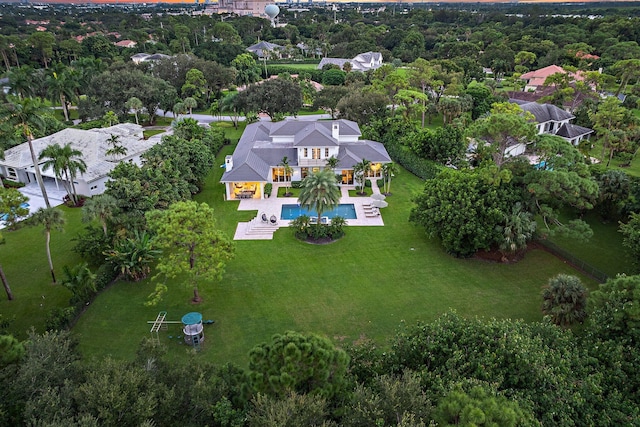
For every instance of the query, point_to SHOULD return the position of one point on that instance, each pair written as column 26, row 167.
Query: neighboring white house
column 306, row 144
column 362, row 62
column 555, row 121
column 18, row 166
column 146, row 57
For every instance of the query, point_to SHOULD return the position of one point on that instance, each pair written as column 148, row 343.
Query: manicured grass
column 294, row 192
column 356, row 192
column 24, row 261
column 149, row 133
column 369, row 283
column 603, row 251
column 296, row 65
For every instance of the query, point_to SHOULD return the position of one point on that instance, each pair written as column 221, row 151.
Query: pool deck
column 273, row 206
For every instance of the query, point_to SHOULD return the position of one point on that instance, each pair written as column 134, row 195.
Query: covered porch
column 244, row 190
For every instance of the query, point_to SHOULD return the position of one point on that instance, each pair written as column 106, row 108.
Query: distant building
column 242, row 7
column 130, row 44
column 362, row 62
column 146, row 57
column 535, row 79
column 266, row 50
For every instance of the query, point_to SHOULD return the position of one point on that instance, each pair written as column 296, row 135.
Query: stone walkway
column 273, row 206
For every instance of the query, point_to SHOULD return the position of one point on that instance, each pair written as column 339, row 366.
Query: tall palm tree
column 27, row 115
column 360, row 171
column 101, row 207
column 319, row 191
column 21, row 80
column 65, row 161
column 3, row 278
column 284, row 163
column 61, row 86
column 136, row 105
column 50, row 219
column 388, row 170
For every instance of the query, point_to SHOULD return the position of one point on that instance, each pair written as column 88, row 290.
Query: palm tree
column 27, row 115
column 64, row 161
column 50, row 219
column 388, row 171
column 287, row 174
column 564, row 300
column 5, row 283
column 110, row 118
column 332, row 162
column 61, row 87
column 320, row 192
column 360, row 171
column 101, row 207
column 518, row 228
column 116, row 149
column 136, row 105
column 179, row 108
column 190, row 103
column 21, row 80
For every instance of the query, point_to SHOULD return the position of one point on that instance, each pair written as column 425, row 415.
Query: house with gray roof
column 361, row 62
column 266, row 50
column 555, row 121
column 17, row 165
column 307, row 145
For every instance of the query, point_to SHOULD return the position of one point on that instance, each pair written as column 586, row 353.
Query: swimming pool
column 346, row 211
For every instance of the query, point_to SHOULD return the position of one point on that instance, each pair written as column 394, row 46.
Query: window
column 326, row 153
column 304, row 172
column 306, row 153
column 315, row 153
column 11, row 172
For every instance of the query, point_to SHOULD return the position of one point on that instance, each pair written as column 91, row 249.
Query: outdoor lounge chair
column 273, row 220
column 264, row 218
column 324, row 220
column 313, row 219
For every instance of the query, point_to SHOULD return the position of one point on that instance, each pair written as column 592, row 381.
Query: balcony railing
column 312, row 162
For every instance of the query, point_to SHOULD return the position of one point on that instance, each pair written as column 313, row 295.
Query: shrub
column 59, row 318
column 296, row 184
column 268, row 187
column 105, row 275
column 12, row 184
column 422, row 168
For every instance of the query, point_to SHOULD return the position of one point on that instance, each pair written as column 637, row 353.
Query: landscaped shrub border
column 422, row 168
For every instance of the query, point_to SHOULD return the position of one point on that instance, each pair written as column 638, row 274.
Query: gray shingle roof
column 570, row 131
column 256, row 152
column 546, row 112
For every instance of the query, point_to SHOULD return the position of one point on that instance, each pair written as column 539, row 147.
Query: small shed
column 193, row 329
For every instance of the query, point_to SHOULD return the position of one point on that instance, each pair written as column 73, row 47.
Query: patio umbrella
column 378, row 196
column 379, row 203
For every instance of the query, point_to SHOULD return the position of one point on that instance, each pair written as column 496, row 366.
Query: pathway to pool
column 257, row 229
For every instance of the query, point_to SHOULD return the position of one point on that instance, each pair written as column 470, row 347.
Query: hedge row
column 422, row 168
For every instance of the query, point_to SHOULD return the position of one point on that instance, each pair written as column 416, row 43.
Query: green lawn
column 24, row 261
column 369, row 283
column 295, row 64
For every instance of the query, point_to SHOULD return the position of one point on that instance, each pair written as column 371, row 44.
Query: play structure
column 192, row 328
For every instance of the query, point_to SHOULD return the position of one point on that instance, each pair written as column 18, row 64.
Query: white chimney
column 335, row 130
column 228, row 163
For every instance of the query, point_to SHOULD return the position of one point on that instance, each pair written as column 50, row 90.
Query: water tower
column 272, row 10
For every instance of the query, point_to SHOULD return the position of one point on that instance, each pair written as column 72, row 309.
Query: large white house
column 361, row 62
column 18, row 165
column 307, row 145
column 556, row 121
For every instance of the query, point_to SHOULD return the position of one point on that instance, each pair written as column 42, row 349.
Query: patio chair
column 324, row 220
column 273, row 220
column 313, row 219
column 264, row 218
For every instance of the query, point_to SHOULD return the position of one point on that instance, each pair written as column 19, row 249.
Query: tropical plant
column 134, row 104
column 80, row 281
column 101, row 207
column 61, row 86
column 133, row 256
column 65, row 161
column 27, row 115
column 50, row 219
column 284, row 164
column 564, row 300
column 116, row 149
column 190, row 103
column 360, row 171
column 110, row 118
column 388, row 171
column 332, row 162
column 319, row 192
column 179, row 108
column 12, row 206
column 518, row 228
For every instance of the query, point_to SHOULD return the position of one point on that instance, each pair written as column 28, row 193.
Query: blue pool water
column 346, row 211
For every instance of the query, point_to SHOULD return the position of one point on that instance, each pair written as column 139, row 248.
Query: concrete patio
column 258, row 230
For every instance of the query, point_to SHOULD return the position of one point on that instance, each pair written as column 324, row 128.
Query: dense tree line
column 453, row 371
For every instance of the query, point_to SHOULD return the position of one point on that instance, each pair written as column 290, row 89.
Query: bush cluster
column 305, row 229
